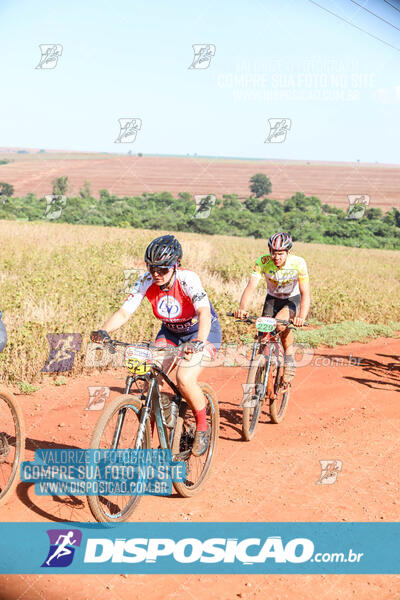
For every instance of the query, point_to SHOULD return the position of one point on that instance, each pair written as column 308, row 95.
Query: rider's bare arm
column 246, row 297
column 204, row 314
column 304, row 287
column 116, row 320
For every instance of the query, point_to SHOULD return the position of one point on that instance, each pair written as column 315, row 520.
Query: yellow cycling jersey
column 282, row 282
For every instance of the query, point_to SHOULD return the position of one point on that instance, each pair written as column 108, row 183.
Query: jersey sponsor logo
column 169, row 307
column 199, row 296
column 179, row 326
column 263, row 260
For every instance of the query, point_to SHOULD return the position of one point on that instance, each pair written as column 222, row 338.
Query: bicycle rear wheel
column 197, row 467
column 252, row 400
column 124, row 412
column 12, row 444
column 279, row 401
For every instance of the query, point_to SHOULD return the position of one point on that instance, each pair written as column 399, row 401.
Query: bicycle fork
column 267, row 370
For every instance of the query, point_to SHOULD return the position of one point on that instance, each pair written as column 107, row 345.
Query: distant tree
column 6, row 189
column 60, row 186
column 85, row 191
column 373, row 213
column 260, row 185
column 392, row 217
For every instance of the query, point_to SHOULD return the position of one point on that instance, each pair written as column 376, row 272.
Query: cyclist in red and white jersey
column 188, row 318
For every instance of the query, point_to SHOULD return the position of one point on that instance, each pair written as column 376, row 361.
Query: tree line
column 304, row 217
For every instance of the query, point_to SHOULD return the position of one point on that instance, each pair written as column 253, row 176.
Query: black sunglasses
column 159, row 270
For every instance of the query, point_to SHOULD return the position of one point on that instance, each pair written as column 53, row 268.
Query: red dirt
column 132, row 175
column 349, row 413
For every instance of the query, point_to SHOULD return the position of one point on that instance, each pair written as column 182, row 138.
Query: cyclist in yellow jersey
column 288, row 295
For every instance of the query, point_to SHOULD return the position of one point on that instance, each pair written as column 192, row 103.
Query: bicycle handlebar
column 150, row 345
column 251, row 318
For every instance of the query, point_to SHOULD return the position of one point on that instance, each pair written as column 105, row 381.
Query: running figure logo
column 128, row 129
column 357, row 206
column 63, row 347
column 278, row 129
column 204, row 204
column 55, row 205
column 203, row 54
column 98, row 395
column 251, row 392
column 63, row 543
column 330, row 470
column 50, row 54
column 131, row 276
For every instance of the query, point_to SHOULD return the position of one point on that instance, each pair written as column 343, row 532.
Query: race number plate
column 265, row 324
column 138, row 360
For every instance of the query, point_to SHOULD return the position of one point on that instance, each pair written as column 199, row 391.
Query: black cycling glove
column 100, row 336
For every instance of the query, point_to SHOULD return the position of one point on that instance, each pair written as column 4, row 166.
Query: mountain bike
column 126, row 423
column 264, row 375
column 12, row 443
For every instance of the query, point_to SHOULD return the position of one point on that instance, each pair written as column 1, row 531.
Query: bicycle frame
column 152, row 403
column 268, row 340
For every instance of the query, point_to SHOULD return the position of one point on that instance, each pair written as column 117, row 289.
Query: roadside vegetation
column 258, row 216
column 61, row 278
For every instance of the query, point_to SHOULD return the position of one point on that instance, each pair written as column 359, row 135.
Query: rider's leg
column 186, row 377
column 287, row 313
column 191, row 366
column 287, row 336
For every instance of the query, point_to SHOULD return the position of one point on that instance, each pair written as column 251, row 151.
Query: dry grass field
column 57, row 278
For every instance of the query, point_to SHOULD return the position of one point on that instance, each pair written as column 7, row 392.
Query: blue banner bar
column 285, row 548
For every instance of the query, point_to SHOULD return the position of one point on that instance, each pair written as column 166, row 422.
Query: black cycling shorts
column 273, row 305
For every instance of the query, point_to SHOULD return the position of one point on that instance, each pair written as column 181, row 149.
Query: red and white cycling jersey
column 176, row 307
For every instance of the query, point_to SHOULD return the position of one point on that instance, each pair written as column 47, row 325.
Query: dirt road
column 348, row 413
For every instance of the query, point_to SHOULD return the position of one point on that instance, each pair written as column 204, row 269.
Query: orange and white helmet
column 280, row 241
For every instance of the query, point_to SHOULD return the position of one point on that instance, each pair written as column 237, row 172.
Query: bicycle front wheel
column 252, row 400
column 117, row 428
column 279, row 401
column 12, row 443
column 197, row 467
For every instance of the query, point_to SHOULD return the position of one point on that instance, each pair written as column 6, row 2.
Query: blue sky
column 289, row 59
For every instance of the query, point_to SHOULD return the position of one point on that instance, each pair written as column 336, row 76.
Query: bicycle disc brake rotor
column 4, row 447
